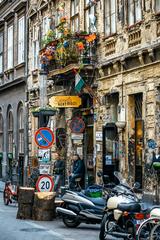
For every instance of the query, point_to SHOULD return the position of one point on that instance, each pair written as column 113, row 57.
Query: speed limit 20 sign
column 44, row 184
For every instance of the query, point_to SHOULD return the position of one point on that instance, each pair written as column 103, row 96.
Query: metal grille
column 138, row 106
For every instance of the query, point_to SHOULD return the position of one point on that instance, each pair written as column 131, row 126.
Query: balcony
column 70, row 51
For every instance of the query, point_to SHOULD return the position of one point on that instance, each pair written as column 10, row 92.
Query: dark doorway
column 21, row 169
column 110, row 150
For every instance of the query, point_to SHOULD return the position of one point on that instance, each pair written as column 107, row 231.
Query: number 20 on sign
column 44, row 184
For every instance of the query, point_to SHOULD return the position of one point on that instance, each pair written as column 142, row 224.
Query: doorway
column 21, row 169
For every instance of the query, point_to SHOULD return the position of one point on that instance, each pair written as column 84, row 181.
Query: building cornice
column 15, row 82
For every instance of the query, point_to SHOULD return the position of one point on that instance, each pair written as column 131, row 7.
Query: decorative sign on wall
column 77, row 125
column 99, row 136
column 65, row 101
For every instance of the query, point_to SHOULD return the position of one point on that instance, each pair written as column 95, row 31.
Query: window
column 10, row 47
column 20, row 130
column 157, row 5
column 89, row 11
column 134, row 11
column 35, row 47
column 21, row 40
column 1, row 52
column 110, row 17
column 10, row 132
column 1, row 132
column 75, row 15
column 45, row 25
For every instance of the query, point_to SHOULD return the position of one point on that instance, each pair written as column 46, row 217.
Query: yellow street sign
column 65, row 101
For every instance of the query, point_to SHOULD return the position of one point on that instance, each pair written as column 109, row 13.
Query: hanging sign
column 77, row 125
column 44, row 137
column 65, row 101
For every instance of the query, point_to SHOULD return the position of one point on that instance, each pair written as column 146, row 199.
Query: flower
column 80, row 45
column 91, row 37
column 63, row 19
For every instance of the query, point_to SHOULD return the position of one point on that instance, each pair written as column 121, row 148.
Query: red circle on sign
column 77, row 125
column 38, row 132
column 38, row 187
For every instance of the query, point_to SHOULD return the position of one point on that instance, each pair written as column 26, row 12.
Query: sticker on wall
column 152, row 144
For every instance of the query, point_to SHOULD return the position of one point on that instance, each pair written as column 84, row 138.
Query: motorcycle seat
column 129, row 207
column 97, row 201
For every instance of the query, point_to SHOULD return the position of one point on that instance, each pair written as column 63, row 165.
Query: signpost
column 44, row 184
column 44, row 137
column 65, row 101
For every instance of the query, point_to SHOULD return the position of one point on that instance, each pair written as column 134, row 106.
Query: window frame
column 35, row 47
column 10, row 131
column 10, row 48
column 21, row 129
column 21, row 39
column 74, row 13
column 108, row 15
column 88, row 9
column 1, row 51
column 134, row 17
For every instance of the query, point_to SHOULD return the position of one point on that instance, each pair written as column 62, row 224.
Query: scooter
column 78, row 208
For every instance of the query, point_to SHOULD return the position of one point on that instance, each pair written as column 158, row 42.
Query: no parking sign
column 44, row 184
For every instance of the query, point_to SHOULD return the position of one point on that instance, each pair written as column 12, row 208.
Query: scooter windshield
column 120, row 178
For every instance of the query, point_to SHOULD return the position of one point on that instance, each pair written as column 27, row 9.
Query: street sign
column 44, row 184
column 77, row 125
column 44, row 137
column 44, row 155
column 65, row 101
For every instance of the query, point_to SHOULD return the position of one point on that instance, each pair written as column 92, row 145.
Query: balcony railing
column 76, row 49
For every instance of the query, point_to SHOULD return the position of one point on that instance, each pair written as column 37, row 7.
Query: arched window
column 10, row 131
column 20, row 130
column 1, row 132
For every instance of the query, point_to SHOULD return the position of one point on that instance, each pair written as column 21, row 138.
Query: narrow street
column 15, row 229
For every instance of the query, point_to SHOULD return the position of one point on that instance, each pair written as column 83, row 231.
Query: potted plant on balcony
column 47, row 111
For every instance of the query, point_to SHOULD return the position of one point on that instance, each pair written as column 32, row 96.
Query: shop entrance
column 110, row 150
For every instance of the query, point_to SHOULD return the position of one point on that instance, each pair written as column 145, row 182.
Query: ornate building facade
column 113, row 46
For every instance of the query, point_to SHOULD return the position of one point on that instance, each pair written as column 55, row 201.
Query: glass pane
column 76, row 6
column 130, row 12
column 72, row 8
column 87, row 20
column 138, row 10
column 113, row 16
column 157, row 5
column 107, row 26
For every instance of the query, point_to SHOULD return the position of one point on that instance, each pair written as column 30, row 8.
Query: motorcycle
column 123, row 213
column 78, row 207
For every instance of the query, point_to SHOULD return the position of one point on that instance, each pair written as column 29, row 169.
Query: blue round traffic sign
column 44, row 137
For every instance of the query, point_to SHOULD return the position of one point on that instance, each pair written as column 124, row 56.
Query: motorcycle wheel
column 105, row 225
column 71, row 223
